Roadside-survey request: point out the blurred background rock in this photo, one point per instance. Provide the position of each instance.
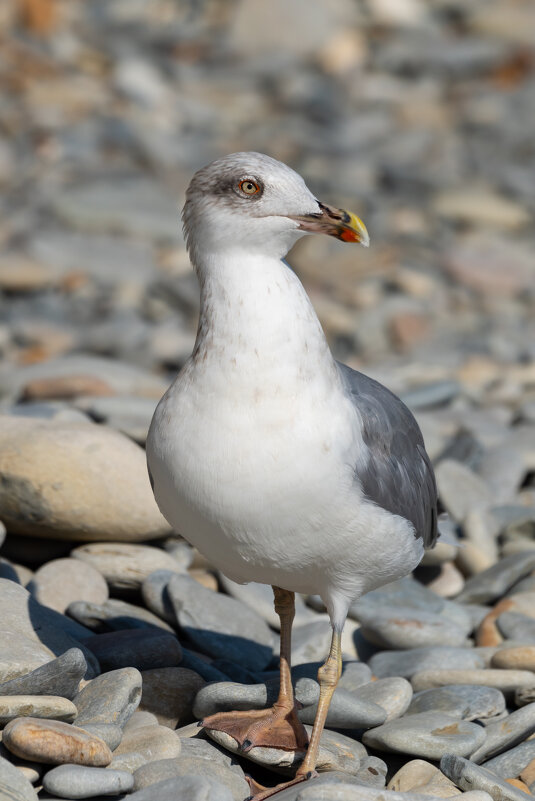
(417, 115)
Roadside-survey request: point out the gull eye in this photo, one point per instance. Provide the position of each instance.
(249, 187)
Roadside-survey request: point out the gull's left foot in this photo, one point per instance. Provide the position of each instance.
(276, 727)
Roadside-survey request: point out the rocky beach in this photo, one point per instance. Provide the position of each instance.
(116, 636)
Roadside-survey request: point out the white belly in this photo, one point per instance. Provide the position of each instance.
(266, 494)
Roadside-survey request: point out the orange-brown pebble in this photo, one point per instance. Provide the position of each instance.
(521, 657)
(519, 785)
(54, 743)
(487, 633)
(528, 774)
(65, 387)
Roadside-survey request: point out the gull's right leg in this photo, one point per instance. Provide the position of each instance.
(279, 726)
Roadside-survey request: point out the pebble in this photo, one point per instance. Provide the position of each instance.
(227, 696)
(232, 778)
(392, 694)
(152, 742)
(505, 680)
(525, 695)
(184, 788)
(426, 734)
(336, 752)
(513, 761)
(347, 711)
(108, 732)
(156, 596)
(124, 566)
(260, 598)
(21, 655)
(14, 786)
(115, 615)
(219, 625)
(140, 648)
(61, 581)
(415, 660)
(54, 742)
(515, 626)
(59, 676)
(463, 701)
(410, 628)
(45, 466)
(36, 706)
(45, 633)
(493, 583)
(373, 772)
(78, 781)
(469, 776)
(506, 733)
(169, 694)
(417, 774)
(461, 490)
(111, 697)
(310, 642)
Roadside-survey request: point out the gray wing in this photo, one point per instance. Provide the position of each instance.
(399, 476)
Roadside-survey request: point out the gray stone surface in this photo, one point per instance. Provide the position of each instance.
(232, 778)
(111, 697)
(37, 706)
(77, 781)
(115, 615)
(426, 734)
(151, 742)
(415, 660)
(140, 648)
(406, 628)
(169, 694)
(14, 786)
(461, 490)
(310, 642)
(125, 565)
(508, 681)
(219, 625)
(506, 733)
(465, 702)
(494, 582)
(516, 626)
(512, 762)
(156, 596)
(60, 676)
(110, 733)
(184, 788)
(469, 776)
(260, 598)
(347, 711)
(392, 694)
(51, 633)
(373, 772)
(59, 582)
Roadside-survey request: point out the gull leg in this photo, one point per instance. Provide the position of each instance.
(279, 726)
(328, 676)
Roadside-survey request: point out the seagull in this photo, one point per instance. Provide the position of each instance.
(278, 463)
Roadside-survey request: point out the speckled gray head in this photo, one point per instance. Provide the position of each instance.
(251, 200)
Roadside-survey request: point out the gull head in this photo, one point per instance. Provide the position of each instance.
(251, 201)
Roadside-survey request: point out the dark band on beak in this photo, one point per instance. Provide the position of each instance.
(335, 222)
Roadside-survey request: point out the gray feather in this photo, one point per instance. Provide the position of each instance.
(399, 476)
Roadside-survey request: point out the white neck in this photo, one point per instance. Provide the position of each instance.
(256, 317)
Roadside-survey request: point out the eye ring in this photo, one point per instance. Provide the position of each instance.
(249, 187)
